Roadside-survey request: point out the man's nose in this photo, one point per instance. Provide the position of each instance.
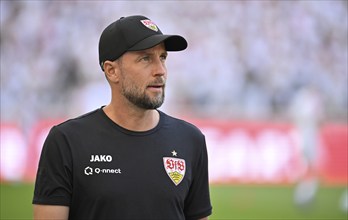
(159, 68)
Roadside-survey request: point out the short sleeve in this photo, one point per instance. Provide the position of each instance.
(197, 203)
(53, 185)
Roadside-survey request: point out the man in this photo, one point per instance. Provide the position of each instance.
(126, 160)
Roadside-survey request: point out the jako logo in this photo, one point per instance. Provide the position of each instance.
(101, 158)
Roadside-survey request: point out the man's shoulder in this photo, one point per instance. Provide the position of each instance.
(181, 124)
(86, 119)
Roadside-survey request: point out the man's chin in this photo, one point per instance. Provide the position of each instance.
(150, 104)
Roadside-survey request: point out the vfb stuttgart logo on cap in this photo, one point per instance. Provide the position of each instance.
(175, 168)
(150, 24)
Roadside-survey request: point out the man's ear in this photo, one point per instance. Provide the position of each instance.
(111, 70)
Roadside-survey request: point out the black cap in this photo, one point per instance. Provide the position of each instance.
(134, 33)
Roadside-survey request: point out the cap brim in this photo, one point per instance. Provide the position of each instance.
(171, 42)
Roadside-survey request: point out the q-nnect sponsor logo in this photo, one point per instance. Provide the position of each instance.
(92, 171)
(96, 170)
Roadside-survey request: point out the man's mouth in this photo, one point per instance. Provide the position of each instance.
(156, 87)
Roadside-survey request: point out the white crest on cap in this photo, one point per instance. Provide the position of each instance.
(150, 24)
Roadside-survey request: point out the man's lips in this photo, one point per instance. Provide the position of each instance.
(156, 87)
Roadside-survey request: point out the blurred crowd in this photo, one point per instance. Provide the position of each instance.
(246, 59)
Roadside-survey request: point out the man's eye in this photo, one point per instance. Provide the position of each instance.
(145, 58)
(163, 57)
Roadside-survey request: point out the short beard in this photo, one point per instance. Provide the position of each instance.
(142, 100)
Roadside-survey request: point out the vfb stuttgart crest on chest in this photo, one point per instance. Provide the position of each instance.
(175, 168)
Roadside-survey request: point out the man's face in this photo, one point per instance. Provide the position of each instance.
(143, 77)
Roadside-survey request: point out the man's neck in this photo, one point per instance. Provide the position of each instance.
(134, 119)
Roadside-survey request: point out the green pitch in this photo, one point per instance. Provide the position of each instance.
(229, 202)
(274, 202)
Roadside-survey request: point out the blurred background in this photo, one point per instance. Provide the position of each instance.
(266, 82)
